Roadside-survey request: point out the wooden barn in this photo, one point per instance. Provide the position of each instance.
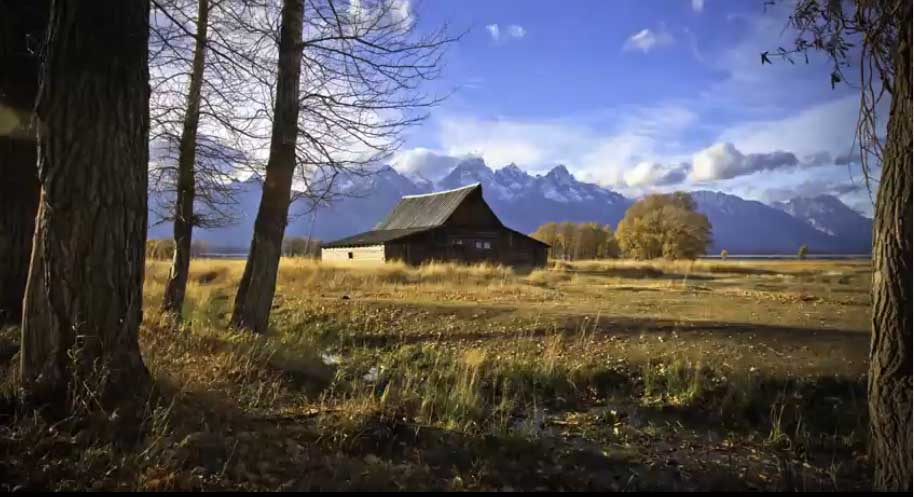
(453, 225)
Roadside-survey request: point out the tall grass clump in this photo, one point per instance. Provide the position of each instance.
(328, 275)
(469, 390)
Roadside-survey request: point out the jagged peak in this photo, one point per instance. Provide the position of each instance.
(560, 171)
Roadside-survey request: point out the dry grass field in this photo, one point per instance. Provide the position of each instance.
(592, 375)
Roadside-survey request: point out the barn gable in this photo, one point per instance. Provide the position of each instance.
(431, 210)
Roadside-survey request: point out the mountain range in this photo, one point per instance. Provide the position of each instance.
(524, 202)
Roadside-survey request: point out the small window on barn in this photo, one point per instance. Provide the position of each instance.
(478, 244)
(486, 245)
(350, 255)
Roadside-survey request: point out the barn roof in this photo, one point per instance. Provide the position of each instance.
(373, 237)
(429, 210)
(415, 214)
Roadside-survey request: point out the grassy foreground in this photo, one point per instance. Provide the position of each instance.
(593, 375)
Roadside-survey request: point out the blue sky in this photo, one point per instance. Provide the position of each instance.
(638, 96)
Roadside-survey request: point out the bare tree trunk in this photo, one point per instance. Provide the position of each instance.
(83, 303)
(21, 26)
(187, 157)
(258, 284)
(890, 384)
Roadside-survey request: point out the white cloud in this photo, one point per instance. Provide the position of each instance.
(724, 161)
(494, 31)
(429, 164)
(646, 40)
(510, 31)
(599, 147)
(516, 31)
(395, 12)
(698, 5)
(650, 174)
(829, 126)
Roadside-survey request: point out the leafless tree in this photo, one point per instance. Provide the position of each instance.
(362, 66)
(197, 103)
(871, 40)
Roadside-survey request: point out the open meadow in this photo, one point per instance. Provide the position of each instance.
(588, 375)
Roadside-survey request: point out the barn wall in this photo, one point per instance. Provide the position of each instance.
(515, 249)
(355, 255)
(459, 244)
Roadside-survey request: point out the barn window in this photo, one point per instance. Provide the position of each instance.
(350, 255)
(483, 245)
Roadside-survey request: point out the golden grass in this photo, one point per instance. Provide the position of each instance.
(475, 352)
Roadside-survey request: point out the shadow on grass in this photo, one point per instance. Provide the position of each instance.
(618, 326)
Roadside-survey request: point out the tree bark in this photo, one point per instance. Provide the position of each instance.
(22, 25)
(83, 303)
(258, 284)
(187, 157)
(890, 385)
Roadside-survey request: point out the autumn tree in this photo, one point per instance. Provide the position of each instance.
(664, 225)
(803, 251)
(83, 302)
(869, 44)
(575, 241)
(22, 26)
(365, 64)
(547, 233)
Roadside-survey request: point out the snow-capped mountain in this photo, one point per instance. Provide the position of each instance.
(524, 202)
(749, 227)
(830, 216)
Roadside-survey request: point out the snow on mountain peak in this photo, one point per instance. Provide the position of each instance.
(560, 174)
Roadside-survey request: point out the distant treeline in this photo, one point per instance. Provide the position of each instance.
(659, 225)
(164, 249)
(296, 246)
(573, 241)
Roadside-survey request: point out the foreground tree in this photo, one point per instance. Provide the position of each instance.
(22, 26)
(360, 89)
(664, 225)
(202, 78)
(176, 286)
(890, 353)
(83, 302)
(876, 36)
(255, 293)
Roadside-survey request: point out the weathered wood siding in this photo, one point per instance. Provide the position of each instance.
(463, 244)
(355, 255)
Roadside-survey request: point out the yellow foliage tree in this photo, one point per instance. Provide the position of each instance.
(574, 241)
(664, 225)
